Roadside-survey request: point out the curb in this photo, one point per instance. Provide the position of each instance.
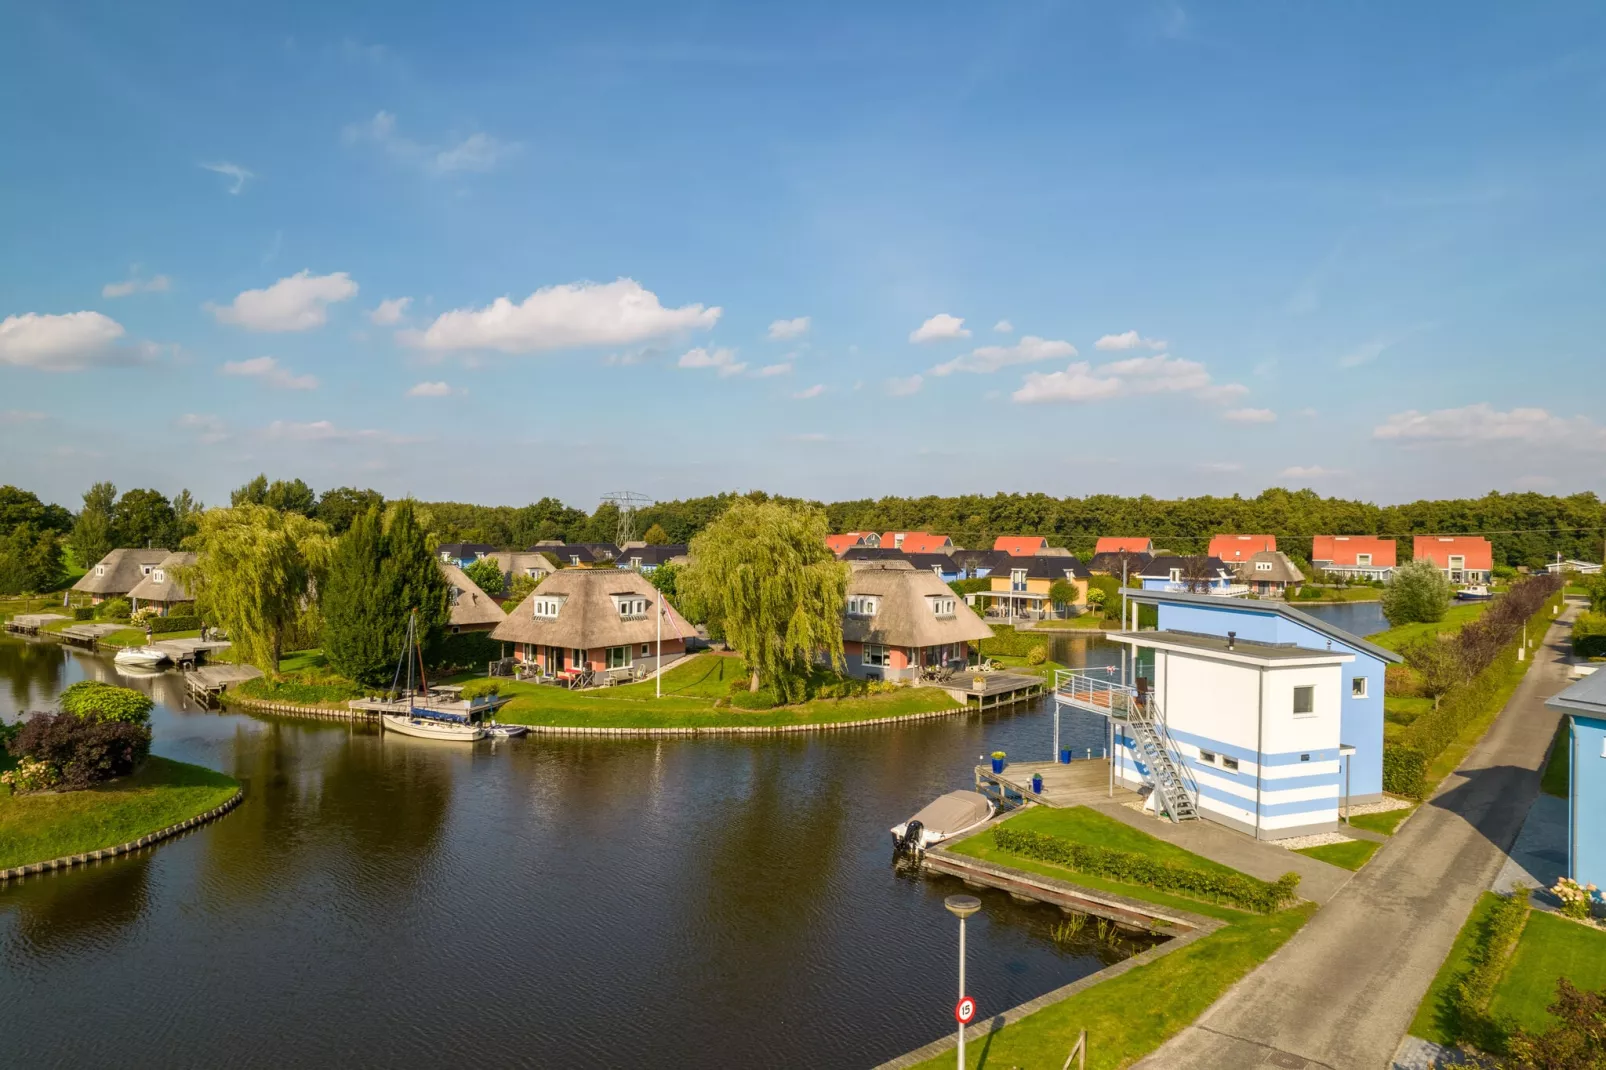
(68, 861)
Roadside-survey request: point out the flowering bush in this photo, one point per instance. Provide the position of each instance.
(30, 775)
(144, 615)
(84, 751)
(1577, 900)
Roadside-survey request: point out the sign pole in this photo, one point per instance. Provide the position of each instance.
(961, 990)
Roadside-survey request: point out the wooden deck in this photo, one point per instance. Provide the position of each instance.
(207, 681)
(30, 623)
(88, 634)
(1081, 783)
(999, 688)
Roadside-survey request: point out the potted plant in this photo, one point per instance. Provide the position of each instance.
(998, 761)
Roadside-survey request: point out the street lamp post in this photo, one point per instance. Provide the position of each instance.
(962, 907)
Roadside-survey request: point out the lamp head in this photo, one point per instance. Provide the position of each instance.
(962, 906)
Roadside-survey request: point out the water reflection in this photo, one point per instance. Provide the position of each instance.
(82, 912)
(32, 672)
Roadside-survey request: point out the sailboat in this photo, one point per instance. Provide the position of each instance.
(421, 722)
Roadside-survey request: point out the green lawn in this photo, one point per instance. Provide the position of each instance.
(1351, 855)
(37, 828)
(1458, 614)
(1385, 822)
(1434, 1019)
(1021, 665)
(1085, 621)
(1550, 948)
(1129, 1016)
(1556, 775)
(1340, 594)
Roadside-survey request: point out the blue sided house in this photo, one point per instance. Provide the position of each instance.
(1270, 623)
(1584, 703)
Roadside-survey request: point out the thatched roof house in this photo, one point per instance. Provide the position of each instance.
(899, 618)
(532, 563)
(594, 618)
(114, 575)
(472, 609)
(160, 587)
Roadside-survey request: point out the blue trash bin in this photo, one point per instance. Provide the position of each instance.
(998, 765)
(1037, 783)
(1065, 756)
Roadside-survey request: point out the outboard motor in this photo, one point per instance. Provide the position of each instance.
(910, 844)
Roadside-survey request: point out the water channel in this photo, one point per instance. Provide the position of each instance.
(383, 900)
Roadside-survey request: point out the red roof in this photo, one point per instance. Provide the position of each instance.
(1114, 544)
(842, 543)
(1232, 548)
(1020, 545)
(1439, 549)
(1342, 550)
(917, 542)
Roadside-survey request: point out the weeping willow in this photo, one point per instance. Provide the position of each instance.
(763, 569)
(256, 575)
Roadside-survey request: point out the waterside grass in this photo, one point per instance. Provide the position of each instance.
(1459, 614)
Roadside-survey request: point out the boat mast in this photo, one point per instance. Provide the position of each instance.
(412, 631)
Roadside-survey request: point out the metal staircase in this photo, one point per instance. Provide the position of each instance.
(1171, 782)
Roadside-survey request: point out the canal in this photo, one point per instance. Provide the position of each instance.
(383, 900)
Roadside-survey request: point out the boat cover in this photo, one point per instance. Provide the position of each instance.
(439, 715)
(954, 811)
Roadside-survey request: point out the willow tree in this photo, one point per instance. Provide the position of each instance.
(257, 574)
(764, 572)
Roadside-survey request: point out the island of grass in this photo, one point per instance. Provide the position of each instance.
(46, 825)
(1135, 1012)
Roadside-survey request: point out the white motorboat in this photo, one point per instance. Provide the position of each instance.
(952, 815)
(1477, 592)
(505, 731)
(419, 723)
(141, 656)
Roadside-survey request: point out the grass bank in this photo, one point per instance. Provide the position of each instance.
(37, 828)
(1458, 615)
(1331, 595)
(1086, 622)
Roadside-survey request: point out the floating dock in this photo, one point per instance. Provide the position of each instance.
(1081, 782)
(89, 634)
(208, 681)
(30, 623)
(998, 688)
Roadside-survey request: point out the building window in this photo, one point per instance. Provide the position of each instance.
(618, 657)
(1176, 575)
(874, 654)
(547, 607)
(1363, 560)
(943, 607)
(1229, 764)
(860, 606)
(1207, 757)
(100, 570)
(1357, 687)
(646, 648)
(1262, 566)
(1304, 699)
(159, 576)
(574, 559)
(635, 563)
(579, 658)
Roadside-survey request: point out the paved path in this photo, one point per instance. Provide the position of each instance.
(1342, 992)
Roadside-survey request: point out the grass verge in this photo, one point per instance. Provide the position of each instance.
(1351, 855)
(37, 828)
(1129, 1016)
(1385, 822)
(1556, 778)
(1550, 948)
(1436, 1018)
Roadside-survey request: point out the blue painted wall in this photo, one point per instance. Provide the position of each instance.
(1588, 817)
(1360, 719)
(1157, 583)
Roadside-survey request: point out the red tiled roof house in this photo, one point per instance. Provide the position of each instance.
(1116, 544)
(917, 542)
(1020, 545)
(1365, 556)
(841, 544)
(1462, 558)
(1235, 549)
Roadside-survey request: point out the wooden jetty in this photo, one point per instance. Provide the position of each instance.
(998, 688)
(88, 634)
(30, 623)
(208, 681)
(1080, 783)
(187, 653)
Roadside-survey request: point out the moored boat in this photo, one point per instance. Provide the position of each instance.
(1477, 592)
(953, 814)
(505, 731)
(424, 725)
(146, 656)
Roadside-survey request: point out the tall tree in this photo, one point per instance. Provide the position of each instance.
(764, 571)
(142, 518)
(1418, 592)
(30, 561)
(486, 574)
(656, 536)
(92, 534)
(186, 518)
(257, 574)
(292, 496)
(411, 570)
(361, 636)
(339, 507)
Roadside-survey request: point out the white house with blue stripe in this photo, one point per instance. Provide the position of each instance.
(1584, 703)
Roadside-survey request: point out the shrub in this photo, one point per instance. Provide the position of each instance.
(113, 609)
(1577, 1040)
(164, 625)
(83, 613)
(1007, 642)
(1108, 588)
(1063, 593)
(91, 700)
(1037, 655)
(974, 585)
(1577, 900)
(1237, 889)
(1469, 999)
(466, 650)
(762, 699)
(1589, 635)
(144, 615)
(30, 775)
(85, 751)
(1405, 770)
(480, 688)
(1419, 593)
(1400, 681)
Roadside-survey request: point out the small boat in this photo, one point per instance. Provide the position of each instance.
(952, 815)
(426, 725)
(1477, 592)
(140, 655)
(504, 731)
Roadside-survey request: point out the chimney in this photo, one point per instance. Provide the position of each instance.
(1232, 637)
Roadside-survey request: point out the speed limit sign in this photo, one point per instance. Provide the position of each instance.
(964, 1010)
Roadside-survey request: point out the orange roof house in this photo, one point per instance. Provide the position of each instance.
(1115, 544)
(917, 542)
(1352, 551)
(1020, 545)
(841, 544)
(1461, 557)
(1234, 548)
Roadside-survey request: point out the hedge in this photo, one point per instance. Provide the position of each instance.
(1589, 635)
(163, 625)
(467, 650)
(1235, 889)
(1469, 999)
(83, 613)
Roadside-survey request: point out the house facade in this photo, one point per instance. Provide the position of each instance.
(1462, 558)
(899, 619)
(1234, 549)
(160, 587)
(598, 619)
(1361, 692)
(1365, 556)
(1199, 575)
(1270, 574)
(1020, 588)
(647, 559)
(1119, 544)
(537, 566)
(1020, 545)
(916, 542)
(118, 573)
(1584, 705)
(472, 609)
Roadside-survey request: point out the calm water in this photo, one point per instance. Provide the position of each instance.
(1357, 618)
(380, 900)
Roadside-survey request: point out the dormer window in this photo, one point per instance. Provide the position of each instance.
(446, 555)
(159, 576)
(1176, 575)
(1262, 566)
(1363, 559)
(144, 570)
(574, 559)
(635, 563)
(943, 607)
(547, 608)
(100, 570)
(631, 608)
(861, 606)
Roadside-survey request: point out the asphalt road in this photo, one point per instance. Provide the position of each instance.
(1341, 994)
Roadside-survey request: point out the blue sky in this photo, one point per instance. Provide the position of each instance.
(495, 252)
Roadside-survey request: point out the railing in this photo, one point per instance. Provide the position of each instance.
(1079, 1053)
(1223, 590)
(1093, 689)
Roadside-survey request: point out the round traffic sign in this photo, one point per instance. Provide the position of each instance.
(964, 1010)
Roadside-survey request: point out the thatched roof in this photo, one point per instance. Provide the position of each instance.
(119, 571)
(1282, 569)
(523, 563)
(161, 585)
(589, 613)
(904, 613)
(471, 607)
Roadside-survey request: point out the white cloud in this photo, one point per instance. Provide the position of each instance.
(621, 312)
(270, 371)
(231, 170)
(1004, 327)
(298, 302)
(792, 328)
(136, 285)
(1314, 471)
(62, 343)
(1028, 350)
(1219, 466)
(324, 431)
(812, 392)
(209, 429)
(938, 327)
(1127, 340)
(723, 361)
(1250, 416)
(390, 311)
(432, 390)
(902, 388)
(770, 370)
(14, 417)
(1482, 423)
(1160, 374)
(1365, 354)
(476, 152)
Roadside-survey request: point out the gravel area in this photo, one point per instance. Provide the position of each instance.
(1320, 839)
(1382, 806)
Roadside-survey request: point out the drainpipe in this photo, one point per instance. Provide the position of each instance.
(1260, 752)
(1572, 809)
